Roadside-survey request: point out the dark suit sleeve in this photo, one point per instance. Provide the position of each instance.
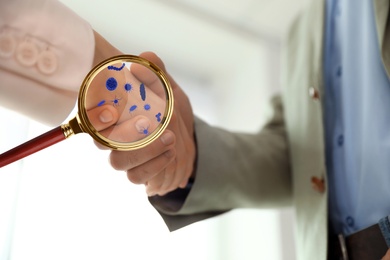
(233, 170)
(172, 202)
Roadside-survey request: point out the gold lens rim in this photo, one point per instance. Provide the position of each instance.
(85, 123)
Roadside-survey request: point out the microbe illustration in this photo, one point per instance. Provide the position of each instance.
(116, 68)
(144, 131)
(158, 116)
(147, 107)
(142, 91)
(128, 87)
(101, 103)
(111, 84)
(115, 101)
(132, 108)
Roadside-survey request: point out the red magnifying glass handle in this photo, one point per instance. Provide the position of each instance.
(34, 145)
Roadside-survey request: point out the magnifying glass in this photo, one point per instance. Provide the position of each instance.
(124, 103)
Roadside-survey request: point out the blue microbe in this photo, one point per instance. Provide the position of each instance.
(132, 108)
(128, 87)
(115, 101)
(145, 131)
(142, 91)
(111, 84)
(147, 107)
(101, 103)
(158, 116)
(116, 68)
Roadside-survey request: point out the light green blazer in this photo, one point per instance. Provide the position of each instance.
(275, 167)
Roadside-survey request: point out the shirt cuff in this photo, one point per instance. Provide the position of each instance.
(172, 202)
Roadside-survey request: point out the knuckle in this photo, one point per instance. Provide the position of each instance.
(169, 155)
(132, 159)
(140, 175)
(115, 163)
(120, 160)
(135, 178)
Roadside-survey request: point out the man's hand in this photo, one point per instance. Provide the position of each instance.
(167, 163)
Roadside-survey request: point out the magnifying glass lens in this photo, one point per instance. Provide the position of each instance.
(125, 103)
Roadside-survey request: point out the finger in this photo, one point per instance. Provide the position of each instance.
(101, 146)
(128, 160)
(181, 99)
(174, 176)
(177, 173)
(146, 172)
(131, 130)
(161, 185)
(149, 77)
(146, 74)
(102, 117)
(184, 183)
(152, 57)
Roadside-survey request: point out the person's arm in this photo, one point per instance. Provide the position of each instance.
(234, 170)
(103, 49)
(46, 50)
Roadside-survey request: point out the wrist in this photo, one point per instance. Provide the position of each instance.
(103, 49)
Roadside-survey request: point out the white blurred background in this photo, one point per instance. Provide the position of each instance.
(67, 203)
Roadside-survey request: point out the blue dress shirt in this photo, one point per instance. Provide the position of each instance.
(357, 117)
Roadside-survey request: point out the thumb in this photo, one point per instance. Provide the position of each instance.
(131, 130)
(102, 117)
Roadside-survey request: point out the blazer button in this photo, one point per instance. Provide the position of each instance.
(318, 184)
(27, 54)
(47, 62)
(7, 45)
(314, 93)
